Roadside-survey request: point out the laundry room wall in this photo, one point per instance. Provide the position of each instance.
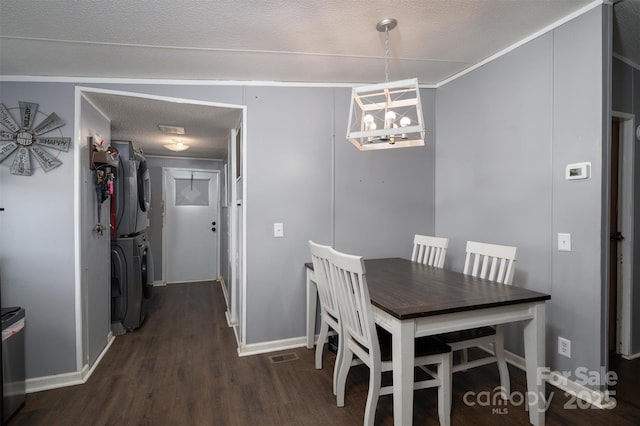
(155, 165)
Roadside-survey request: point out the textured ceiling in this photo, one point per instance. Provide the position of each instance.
(308, 41)
(137, 119)
(264, 40)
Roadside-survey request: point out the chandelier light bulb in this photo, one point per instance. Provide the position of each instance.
(368, 122)
(389, 118)
(405, 122)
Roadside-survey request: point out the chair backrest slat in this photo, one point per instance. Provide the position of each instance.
(322, 270)
(490, 261)
(429, 250)
(354, 300)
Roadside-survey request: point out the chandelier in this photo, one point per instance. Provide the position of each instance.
(386, 115)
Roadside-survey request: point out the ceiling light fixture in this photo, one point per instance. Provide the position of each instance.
(386, 115)
(176, 146)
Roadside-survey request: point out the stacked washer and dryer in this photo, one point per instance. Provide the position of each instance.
(131, 259)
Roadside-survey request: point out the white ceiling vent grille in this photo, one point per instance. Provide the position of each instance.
(171, 130)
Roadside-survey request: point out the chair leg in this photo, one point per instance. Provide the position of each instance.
(345, 364)
(444, 390)
(498, 350)
(338, 364)
(464, 357)
(375, 381)
(322, 338)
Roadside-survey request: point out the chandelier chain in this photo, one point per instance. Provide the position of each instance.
(386, 55)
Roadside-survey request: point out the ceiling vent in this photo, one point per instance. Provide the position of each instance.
(171, 130)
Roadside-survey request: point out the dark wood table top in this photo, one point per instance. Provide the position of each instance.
(406, 290)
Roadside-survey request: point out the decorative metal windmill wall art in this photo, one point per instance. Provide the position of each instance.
(27, 141)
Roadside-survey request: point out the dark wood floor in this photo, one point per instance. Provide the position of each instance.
(181, 368)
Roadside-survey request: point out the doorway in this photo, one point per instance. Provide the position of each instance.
(615, 237)
(127, 107)
(191, 223)
(621, 224)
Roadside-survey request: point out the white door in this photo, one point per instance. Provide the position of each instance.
(190, 230)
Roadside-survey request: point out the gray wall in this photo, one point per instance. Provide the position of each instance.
(493, 163)
(323, 189)
(626, 98)
(505, 133)
(155, 165)
(579, 122)
(288, 179)
(384, 197)
(96, 247)
(37, 239)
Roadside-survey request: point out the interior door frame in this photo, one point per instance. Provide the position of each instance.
(165, 171)
(625, 218)
(80, 308)
(237, 160)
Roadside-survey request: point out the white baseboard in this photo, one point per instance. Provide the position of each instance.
(596, 398)
(163, 283)
(272, 346)
(225, 292)
(38, 384)
(630, 357)
(56, 381)
(227, 315)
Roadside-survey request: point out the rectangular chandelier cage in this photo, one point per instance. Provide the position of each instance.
(386, 115)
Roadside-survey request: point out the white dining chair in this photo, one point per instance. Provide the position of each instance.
(363, 339)
(495, 263)
(329, 314)
(429, 250)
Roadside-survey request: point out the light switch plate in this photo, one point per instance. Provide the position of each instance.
(278, 230)
(564, 242)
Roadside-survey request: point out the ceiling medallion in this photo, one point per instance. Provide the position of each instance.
(26, 140)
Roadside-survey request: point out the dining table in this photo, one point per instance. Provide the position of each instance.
(413, 300)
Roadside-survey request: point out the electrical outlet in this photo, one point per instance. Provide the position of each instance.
(564, 242)
(564, 347)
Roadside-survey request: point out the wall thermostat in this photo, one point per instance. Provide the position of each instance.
(578, 171)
